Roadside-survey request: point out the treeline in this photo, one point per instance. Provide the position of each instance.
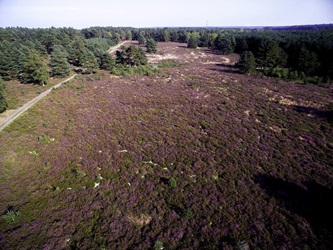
(291, 53)
(33, 55)
(288, 54)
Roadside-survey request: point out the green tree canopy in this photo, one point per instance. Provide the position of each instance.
(132, 56)
(107, 62)
(247, 63)
(35, 69)
(3, 103)
(166, 35)
(192, 41)
(307, 61)
(271, 55)
(151, 45)
(59, 63)
(88, 62)
(141, 38)
(224, 44)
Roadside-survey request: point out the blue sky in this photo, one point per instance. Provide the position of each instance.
(166, 13)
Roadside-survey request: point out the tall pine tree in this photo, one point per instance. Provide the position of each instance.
(89, 62)
(59, 64)
(247, 63)
(35, 69)
(151, 46)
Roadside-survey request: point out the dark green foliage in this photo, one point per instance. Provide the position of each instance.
(203, 40)
(3, 103)
(151, 45)
(59, 63)
(271, 55)
(224, 44)
(129, 35)
(77, 49)
(35, 69)
(126, 70)
(141, 38)
(307, 61)
(132, 56)
(88, 62)
(247, 63)
(192, 42)
(107, 62)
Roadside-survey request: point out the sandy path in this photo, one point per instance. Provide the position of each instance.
(13, 114)
(114, 48)
(10, 115)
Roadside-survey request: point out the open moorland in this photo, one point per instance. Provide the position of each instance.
(194, 157)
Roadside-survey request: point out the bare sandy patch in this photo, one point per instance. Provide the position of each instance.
(155, 57)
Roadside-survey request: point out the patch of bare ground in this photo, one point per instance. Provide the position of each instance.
(196, 156)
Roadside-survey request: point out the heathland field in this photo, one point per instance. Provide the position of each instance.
(196, 156)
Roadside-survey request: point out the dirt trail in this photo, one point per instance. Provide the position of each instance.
(13, 114)
(17, 112)
(114, 48)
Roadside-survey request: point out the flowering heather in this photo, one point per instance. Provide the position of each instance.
(194, 157)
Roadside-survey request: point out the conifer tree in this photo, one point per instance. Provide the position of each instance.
(132, 56)
(35, 69)
(107, 62)
(247, 63)
(88, 62)
(192, 42)
(307, 61)
(59, 63)
(151, 46)
(141, 38)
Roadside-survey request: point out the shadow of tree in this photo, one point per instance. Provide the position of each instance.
(312, 201)
(226, 68)
(326, 113)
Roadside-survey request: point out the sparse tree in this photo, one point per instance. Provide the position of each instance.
(151, 45)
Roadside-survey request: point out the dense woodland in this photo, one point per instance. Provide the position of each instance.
(33, 55)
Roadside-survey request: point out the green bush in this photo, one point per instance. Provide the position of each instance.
(11, 217)
(172, 182)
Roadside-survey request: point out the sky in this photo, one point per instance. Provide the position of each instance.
(167, 13)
